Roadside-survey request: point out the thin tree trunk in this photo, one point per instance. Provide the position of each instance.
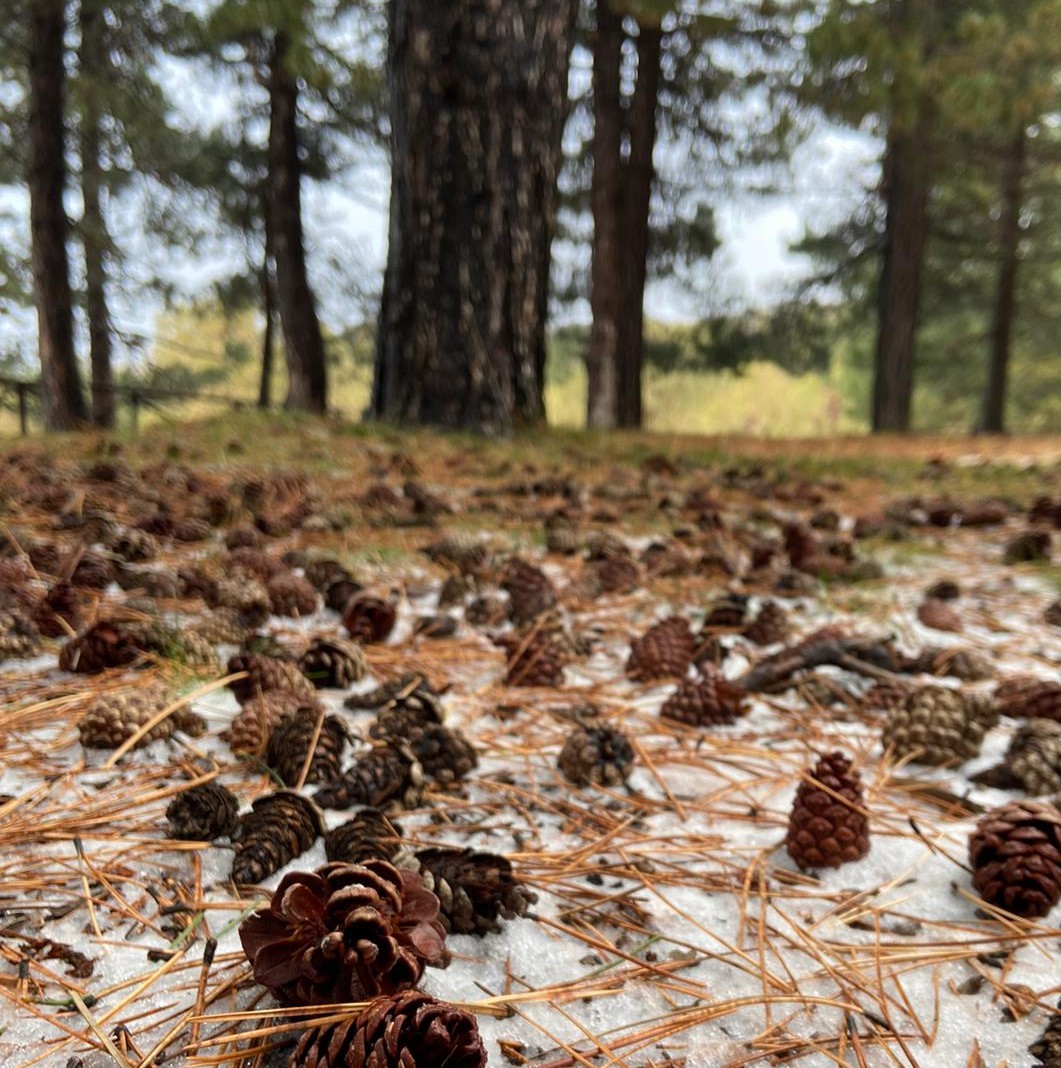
(307, 380)
(94, 235)
(993, 412)
(268, 290)
(606, 200)
(639, 177)
(475, 157)
(62, 401)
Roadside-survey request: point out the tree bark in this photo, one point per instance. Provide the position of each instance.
(62, 402)
(95, 238)
(993, 411)
(307, 388)
(268, 290)
(606, 201)
(478, 104)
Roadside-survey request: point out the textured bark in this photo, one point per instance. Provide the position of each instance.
(62, 402)
(268, 288)
(606, 200)
(993, 410)
(307, 380)
(479, 99)
(95, 238)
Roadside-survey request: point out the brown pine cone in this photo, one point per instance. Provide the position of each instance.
(1029, 698)
(62, 604)
(1052, 614)
(887, 694)
(388, 775)
(665, 650)
(110, 643)
(466, 554)
(730, 611)
(346, 932)
(617, 573)
(826, 830)
(769, 627)
(563, 540)
(1015, 853)
(93, 572)
(246, 596)
(131, 545)
(223, 626)
(938, 615)
(411, 1030)
(445, 754)
(340, 592)
(369, 619)
(19, 637)
(486, 611)
(598, 755)
(410, 699)
(1046, 1049)
(473, 889)
(289, 746)
(333, 663)
(113, 717)
(1030, 547)
(254, 562)
(279, 827)
(290, 595)
(535, 661)
(190, 529)
(454, 591)
(249, 733)
(1034, 757)
(203, 813)
(370, 835)
(265, 673)
(939, 727)
(969, 665)
(530, 593)
(706, 701)
(323, 571)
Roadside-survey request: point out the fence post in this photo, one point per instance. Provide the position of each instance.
(23, 412)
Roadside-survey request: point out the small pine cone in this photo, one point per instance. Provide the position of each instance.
(113, 717)
(19, 637)
(279, 827)
(62, 604)
(339, 593)
(770, 626)
(445, 754)
(107, 644)
(1052, 614)
(399, 719)
(598, 755)
(193, 650)
(706, 701)
(265, 673)
(1029, 698)
(453, 591)
(346, 932)
(189, 722)
(1031, 547)
(370, 835)
(823, 830)
(203, 813)
(1015, 853)
(1034, 757)
(886, 695)
(389, 775)
(289, 746)
(254, 562)
(538, 661)
(618, 573)
(249, 733)
(290, 595)
(487, 611)
(131, 545)
(729, 612)
(969, 665)
(93, 572)
(466, 554)
(564, 541)
(369, 619)
(323, 571)
(410, 694)
(412, 1030)
(161, 584)
(1046, 1049)
(938, 727)
(474, 889)
(938, 615)
(333, 663)
(665, 649)
(248, 597)
(190, 529)
(223, 626)
(530, 593)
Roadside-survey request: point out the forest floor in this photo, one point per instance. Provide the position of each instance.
(671, 926)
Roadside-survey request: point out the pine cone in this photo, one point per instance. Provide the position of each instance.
(473, 889)
(769, 627)
(340, 592)
(1034, 757)
(223, 626)
(617, 573)
(279, 827)
(938, 727)
(938, 615)
(1031, 547)
(530, 593)
(466, 554)
(62, 604)
(1052, 616)
(370, 835)
(265, 673)
(969, 665)
(203, 813)
(887, 695)
(412, 1030)
(487, 611)
(388, 775)
(1015, 853)
(411, 697)
(823, 830)
(290, 595)
(369, 619)
(19, 638)
(247, 597)
(333, 663)
(1029, 698)
(113, 717)
(346, 932)
(107, 644)
(598, 755)
(321, 572)
(249, 733)
(665, 649)
(190, 529)
(445, 754)
(93, 572)
(706, 701)
(1047, 1048)
(731, 612)
(538, 661)
(131, 545)
(290, 741)
(254, 562)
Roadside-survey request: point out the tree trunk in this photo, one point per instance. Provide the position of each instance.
(606, 200)
(268, 290)
(993, 412)
(94, 235)
(639, 174)
(307, 380)
(479, 98)
(62, 402)
(906, 186)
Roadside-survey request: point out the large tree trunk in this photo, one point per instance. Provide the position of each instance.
(94, 235)
(478, 102)
(993, 412)
(307, 380)
(267, 282)
(606, 200)
(61, 399)
(906, 186)
(639, 174)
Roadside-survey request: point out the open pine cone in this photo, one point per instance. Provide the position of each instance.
(389, 775)
(346, 932)
(249, 733)
(279, 827)
(729, 612)
(369, 619)
(19, 638)
(107, 644)
(535, 661)
(1046, 1049)
(370, 835)
(706, 701)
(291, 595)
(938, 726)
(1029, 698)
(334, 663)
(598, 755)
(826, 828)
(770, 626)
(113, 717)
(1032, 763)
(203, 813)
(665, 649)
(289, 745)
(265, 673)
(530, 593)
(445, 754)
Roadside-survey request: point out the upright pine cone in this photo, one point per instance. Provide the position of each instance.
(289, 745)
(665, 649)
(474, 889)
(279, 827)
(249, 733)
(333, 663)
(939, 727)
(370, 835)
(369, 619)
(388, 775)
(346, 932)
(826, 830)
(530, 593)
(1029, 698)
(291, 595)
(19, 637)
(113, 717)
(411, 1030)
(1015, 853)
(265, 673)
(706, 701)
(537, 661)
(598, 755)
(770, 625)
(1046, 1049)
(203, 813)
